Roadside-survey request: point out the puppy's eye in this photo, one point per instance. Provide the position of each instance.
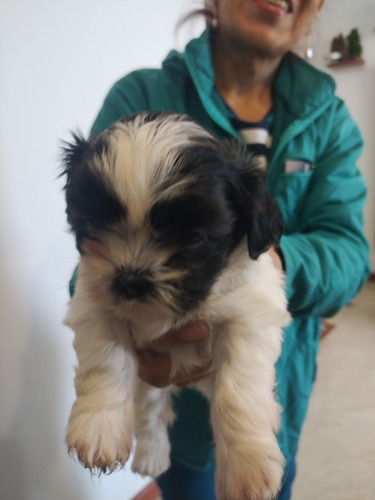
(196, 238)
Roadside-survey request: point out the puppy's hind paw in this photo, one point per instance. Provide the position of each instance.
(260, 481)
(151, 456)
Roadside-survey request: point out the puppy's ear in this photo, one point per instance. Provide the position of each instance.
(73, 154)
(261, 216)
(91, 202)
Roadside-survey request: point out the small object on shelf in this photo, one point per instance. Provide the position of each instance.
(354, 44)
(338, 48)
(346, 51)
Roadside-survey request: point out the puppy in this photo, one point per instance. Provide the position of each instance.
(172, 226)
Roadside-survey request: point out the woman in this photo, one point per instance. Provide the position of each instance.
(237, 77)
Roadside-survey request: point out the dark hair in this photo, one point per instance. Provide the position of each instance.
(206, 11)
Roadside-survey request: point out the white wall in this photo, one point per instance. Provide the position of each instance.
(57, 60)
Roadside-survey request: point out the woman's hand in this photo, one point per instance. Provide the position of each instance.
(155, 365)
(276, 258)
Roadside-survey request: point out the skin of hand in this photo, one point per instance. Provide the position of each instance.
(154, 365)
(276, 259)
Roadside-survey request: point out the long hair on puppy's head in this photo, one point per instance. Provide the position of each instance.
(157, 205)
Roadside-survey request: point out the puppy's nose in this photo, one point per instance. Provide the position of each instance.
(132, 284)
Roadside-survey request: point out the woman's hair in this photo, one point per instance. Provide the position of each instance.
(206, 11)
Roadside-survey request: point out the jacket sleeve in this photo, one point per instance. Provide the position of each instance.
(327, 258)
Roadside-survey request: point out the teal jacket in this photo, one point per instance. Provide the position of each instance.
(324, 247)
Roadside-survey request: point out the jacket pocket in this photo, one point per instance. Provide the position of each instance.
(290, 193)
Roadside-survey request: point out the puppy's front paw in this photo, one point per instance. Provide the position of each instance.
(101, 439)
(258, 480)
(151, 456)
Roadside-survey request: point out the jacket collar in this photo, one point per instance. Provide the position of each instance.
(299, 87)
(198, 58)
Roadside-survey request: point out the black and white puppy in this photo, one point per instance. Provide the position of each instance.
(165, 217)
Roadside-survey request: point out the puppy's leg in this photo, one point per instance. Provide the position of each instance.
(245, 415)
(153, 414)
(100, 427)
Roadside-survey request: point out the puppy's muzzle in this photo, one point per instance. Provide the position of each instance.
(130, 284)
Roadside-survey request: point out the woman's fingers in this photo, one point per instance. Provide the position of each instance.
(186, 379)
(195, 331)
(154, 368)
(154, 362)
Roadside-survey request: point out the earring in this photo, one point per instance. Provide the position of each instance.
(309, 53)
(214, 20)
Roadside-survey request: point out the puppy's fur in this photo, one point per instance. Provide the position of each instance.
(165, 218)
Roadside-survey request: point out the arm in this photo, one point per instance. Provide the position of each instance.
(326, 258)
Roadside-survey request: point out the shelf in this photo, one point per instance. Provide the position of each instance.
(347, 63)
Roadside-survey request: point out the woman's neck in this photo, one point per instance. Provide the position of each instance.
(244, 80)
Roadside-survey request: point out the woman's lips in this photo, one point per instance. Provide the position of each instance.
(276, 7)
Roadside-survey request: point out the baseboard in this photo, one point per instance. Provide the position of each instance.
(150, 492)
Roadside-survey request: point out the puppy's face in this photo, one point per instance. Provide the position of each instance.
(157, 205)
